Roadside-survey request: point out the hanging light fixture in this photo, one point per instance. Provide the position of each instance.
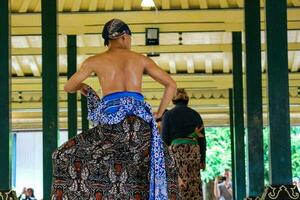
(147, 3)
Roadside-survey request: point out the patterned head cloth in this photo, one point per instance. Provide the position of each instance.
(181, 96)
(114, 29)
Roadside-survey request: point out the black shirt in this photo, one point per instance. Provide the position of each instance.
(181, 121)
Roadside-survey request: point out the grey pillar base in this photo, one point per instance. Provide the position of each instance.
(281, 192)
(252, 198)
(8, 194)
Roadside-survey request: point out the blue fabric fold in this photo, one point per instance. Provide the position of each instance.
(112, 109)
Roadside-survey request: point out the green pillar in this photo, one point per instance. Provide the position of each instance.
(239, 130)
(50, 90)
(84, 121)
(255, 173)
(5, 88)
(231, 117)
(72, 98)
(278, 93)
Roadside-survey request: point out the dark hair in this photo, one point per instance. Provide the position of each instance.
(114, 29)
(32, 191)
(181, 97)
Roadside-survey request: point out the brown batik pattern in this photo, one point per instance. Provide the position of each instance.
(187, 159)
(108, 162)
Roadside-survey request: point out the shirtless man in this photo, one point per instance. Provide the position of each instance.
(120, 69)
(123, 157)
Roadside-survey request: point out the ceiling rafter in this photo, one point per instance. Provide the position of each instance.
(193, 48)
(224, 4)
(184, 4)
(127, 5)
(172, 66)
(296, 2)
(263, 61)
(93, 5)
(296, 62)
(76, 5)
(208, 65)
(61, 5)
(190, 65)
(24, 6)
(17, 66)
(166, 4)
(33, 64)
(38, 6)
(109, 5)
(226, 62)
(240, 3)
(203, 4)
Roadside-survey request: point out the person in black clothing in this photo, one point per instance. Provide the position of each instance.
(183, 131)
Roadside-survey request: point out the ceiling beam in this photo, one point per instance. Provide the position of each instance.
(224, 4)
(184, 4)
(208, 65)
(61, 4)
(17, 67)
(76, 5)
(140, 28)
(144, 17)
(203, 4)
(172, 66)
(190, 65)
(109, 5)
(296, 62)
(240, 3)
(38, 6)
(195, 48)
(24, 6)
(34, 67)
(165, 4)
(296, 2)
(127, 5)
(226, 62)
(203, 81)
(93, 5)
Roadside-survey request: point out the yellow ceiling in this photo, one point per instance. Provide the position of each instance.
(202, 62)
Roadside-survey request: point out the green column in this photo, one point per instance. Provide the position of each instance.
(72, 98)
(231, 117)
(5, 88)
(84, 121)
(239, 130)
(255, 173)
(278, 93)
(50, 90)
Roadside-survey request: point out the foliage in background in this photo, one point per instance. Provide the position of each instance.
(218, 155)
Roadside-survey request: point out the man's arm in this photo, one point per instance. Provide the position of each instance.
(75, 82)
(163, 78)
(216, 188)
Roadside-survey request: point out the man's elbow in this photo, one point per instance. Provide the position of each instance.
(68, 89)
(173, 85)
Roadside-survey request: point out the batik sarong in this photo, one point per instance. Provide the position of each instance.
(187, 159)
(122, 157)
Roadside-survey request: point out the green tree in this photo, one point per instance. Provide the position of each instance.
(218, 155)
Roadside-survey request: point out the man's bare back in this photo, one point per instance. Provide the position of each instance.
(118, 70)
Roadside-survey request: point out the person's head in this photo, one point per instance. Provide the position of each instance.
(30, 192)
(227, 174)
(181, 97)
(116, 32)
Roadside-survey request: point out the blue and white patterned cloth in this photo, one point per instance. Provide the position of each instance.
(112, 109)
